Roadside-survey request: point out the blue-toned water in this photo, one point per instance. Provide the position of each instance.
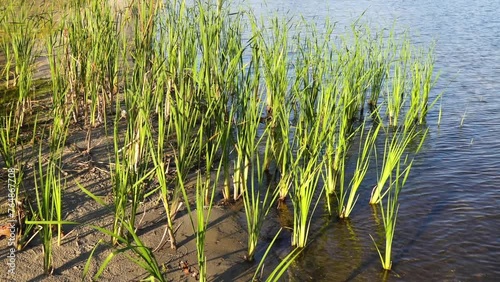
(449, 220)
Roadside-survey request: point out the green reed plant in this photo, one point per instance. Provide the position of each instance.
(5, 46)
(356, 75)
(231, 68)
(177, 33)
(140, 92)
(397, 94)
(337, 145)
(56, 64)
(270, 61)
(247, 119)
(143, 55)
(184, 121)
(185, 88)
(129, 173)
(125, 184)
(202, 223)
(161, 172)
(314, 104)
(9, 135)
(256, 210)
(378, 61)
(204, 187)
(48, 187)
(241, 171)
(335, 142)
(422, 82)
(275, 64)
(389, 211)
(315, 90)
(335, 171)
(177, 42)
(132, 160)
(57, 141)
(280, 269)
(314, 95)
(121, 182)
(362, 164)
(144, 256)
(305, 181)
(330, 175)
(104, 61)
(138, 130)
(225, 148)
(394, 148)
(21, 29)
(428, 82)
(130, 168)
(77, 52)
(249, 163)
(91, 47)
(144, 27)
(306, 170)
(219, 71)
(416, 94)
(183, 102)
(211, 24)
(347, 109)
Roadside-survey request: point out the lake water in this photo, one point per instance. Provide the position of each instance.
(449, 220)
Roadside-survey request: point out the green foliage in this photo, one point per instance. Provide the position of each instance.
(181, 78)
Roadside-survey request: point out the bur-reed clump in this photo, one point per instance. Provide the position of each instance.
(305, 185)
(249, 161)
(144, 256)
(204, 195)
(220, 76)
(389, 209)
(366, 144)
(422, 75)
(20, 46)
(396, 93)
(49, 184)
(378, 62)
(394, 148)
(157, 151)
(270, 63)
(9, 135)
(306, 170)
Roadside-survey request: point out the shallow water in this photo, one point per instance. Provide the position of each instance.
(449, 220)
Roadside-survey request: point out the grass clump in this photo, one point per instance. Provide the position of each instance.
(362, 164)
(389, 210)
(187, 94)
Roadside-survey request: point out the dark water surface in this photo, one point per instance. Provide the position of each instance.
(449, 220)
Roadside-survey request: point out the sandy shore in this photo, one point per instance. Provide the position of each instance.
(226, 236)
